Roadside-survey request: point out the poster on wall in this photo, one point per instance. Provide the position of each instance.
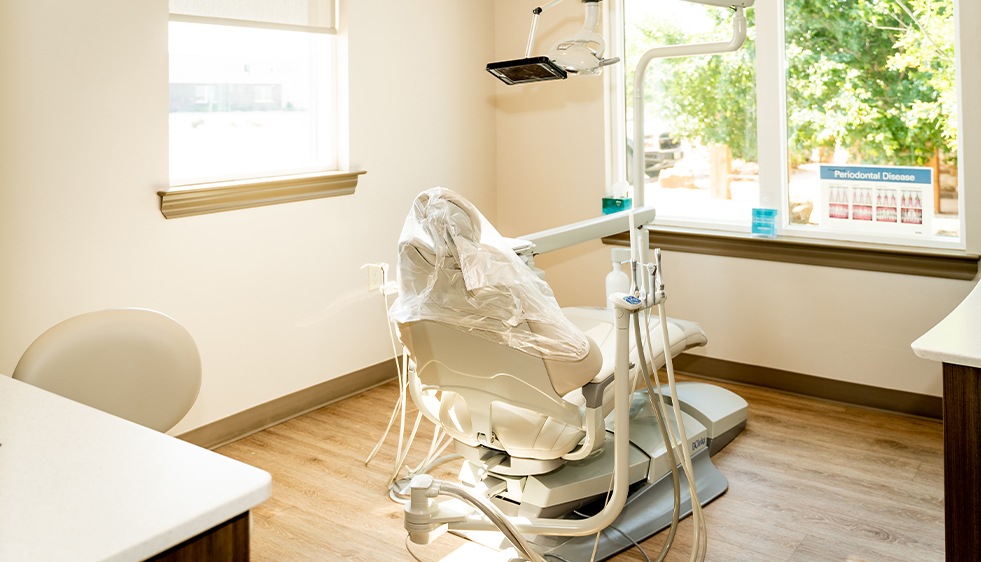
(877, 199)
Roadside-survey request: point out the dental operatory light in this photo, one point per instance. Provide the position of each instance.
(528, 69)
(581, 54)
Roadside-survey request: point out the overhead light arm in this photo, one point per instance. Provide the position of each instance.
(639, 247)
(674, 51)
(535, 14)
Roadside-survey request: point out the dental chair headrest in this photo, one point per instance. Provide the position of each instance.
(455, 268)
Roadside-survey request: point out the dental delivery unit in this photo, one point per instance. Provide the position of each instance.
(562, 458)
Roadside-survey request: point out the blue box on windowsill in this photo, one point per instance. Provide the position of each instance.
(764, 224)
(615, 204)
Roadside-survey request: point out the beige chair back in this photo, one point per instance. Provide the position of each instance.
(137, 364)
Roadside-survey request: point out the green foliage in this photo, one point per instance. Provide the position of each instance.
(875, 77)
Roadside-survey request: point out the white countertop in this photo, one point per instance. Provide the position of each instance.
(79, 484)
(957, 338)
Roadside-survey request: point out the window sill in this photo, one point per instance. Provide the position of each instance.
(948, 264)
(205, 198)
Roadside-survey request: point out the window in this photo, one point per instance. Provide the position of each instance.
(251, 90)
(255, 111)
(841, 115)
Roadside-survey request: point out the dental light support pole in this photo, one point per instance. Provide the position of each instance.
(650, 286)
(639, 240)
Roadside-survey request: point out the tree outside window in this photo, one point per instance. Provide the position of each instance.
(869, 82)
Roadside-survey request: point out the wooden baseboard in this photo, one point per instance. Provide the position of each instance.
(276, 411)
(815, 387)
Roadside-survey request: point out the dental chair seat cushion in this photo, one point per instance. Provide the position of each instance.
(525, 433)
(519, 431)
(567, 376)
(597, 324)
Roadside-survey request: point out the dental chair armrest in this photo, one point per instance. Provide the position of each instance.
(595, 433)
(592, 420)
(593, 391)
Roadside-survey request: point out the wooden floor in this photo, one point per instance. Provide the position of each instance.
(808, 481)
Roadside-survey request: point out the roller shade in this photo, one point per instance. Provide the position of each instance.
(312, 16)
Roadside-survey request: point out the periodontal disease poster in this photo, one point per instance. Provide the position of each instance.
(877, 199)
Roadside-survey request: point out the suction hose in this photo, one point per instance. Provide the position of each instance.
(701, 536)
(494, 515)
(656, 288)
(658, 408)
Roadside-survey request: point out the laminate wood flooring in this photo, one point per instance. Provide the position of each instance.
(809, 481)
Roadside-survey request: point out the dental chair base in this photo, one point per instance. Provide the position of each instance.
(712, 416)
(648, 511)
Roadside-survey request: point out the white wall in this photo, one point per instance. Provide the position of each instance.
(274, 296)
(838, 324)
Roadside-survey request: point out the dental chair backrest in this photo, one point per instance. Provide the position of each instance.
(456, 269)
(496, 361)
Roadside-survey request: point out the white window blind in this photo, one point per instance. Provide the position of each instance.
(311, 16)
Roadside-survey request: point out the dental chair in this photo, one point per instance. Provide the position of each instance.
(526, 388)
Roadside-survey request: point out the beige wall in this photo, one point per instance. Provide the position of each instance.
(839, 324)
(274, 296)
(550, 149)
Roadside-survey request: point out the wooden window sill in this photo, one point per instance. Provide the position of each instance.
(948, 264)
(200, 199)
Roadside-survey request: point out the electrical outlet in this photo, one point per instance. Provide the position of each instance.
(376, 275)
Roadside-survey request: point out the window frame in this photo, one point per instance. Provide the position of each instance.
(772, 132)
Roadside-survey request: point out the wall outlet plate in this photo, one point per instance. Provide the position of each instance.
(376, 275)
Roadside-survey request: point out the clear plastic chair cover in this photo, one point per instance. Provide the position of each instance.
(456, 269)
